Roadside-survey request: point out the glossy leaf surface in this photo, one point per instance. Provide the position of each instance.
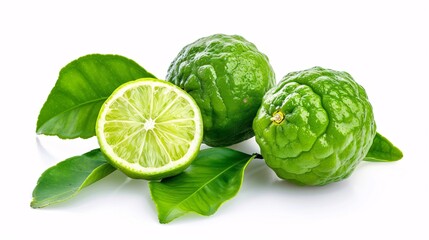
(83, 85)
(67, 178)
(382, 150)
(214, 177)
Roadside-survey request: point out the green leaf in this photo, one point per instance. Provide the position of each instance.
(67, 178)
(382, 150)
(214, 177)
(83, 85)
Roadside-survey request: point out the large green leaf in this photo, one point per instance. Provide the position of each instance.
(382, 150)
(83, 85)
(68, 177)
(214, 176)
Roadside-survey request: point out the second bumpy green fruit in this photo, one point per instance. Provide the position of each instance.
(315, 126)
(228, 77)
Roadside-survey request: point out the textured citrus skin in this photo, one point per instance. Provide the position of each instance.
(327, 129)
(227, 76)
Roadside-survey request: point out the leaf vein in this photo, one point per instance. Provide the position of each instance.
(204, 185)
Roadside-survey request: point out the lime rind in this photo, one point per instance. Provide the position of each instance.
(150, 129)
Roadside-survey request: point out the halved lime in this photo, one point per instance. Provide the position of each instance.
(150, 129)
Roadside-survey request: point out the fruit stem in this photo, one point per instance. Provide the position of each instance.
(278, 117)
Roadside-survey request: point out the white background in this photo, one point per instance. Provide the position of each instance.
(382, 44)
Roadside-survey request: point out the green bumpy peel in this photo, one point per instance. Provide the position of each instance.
(228, 77)
(315, 126)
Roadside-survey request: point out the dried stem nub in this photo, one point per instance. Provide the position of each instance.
(278, 117)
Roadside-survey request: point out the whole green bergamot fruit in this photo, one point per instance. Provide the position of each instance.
(315, 126)
(227, 76)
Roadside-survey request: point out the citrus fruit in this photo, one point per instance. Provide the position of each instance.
(149, 129)
(315, 126)
(227, 76)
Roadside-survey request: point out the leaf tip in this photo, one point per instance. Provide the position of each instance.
(398, 155)
(35, 204)
(163, 221)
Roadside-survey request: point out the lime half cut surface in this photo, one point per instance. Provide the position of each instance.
(150, 129)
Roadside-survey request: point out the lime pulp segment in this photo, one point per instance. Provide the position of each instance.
(149, 127)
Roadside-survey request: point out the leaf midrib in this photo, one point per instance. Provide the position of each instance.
(65, 195)
(207, 183)
(102, 99)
